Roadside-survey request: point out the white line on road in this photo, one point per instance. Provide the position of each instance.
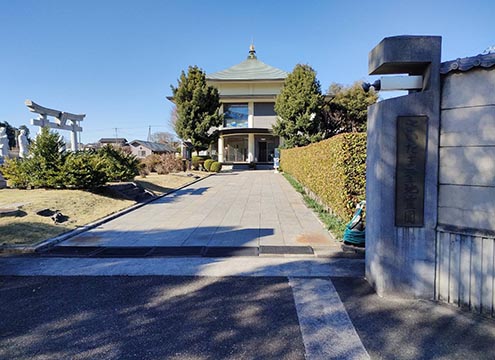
(327, 330)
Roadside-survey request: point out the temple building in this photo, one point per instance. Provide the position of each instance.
(247, 95)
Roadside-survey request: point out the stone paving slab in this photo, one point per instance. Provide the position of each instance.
(248, 208)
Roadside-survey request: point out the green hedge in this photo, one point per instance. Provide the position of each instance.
(216, 166)
(208, 163)
(333, 169)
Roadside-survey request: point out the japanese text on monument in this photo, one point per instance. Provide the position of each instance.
(410, 171)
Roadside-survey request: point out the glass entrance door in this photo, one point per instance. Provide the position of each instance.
(262, 153)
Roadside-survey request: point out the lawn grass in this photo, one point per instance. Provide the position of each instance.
(332, 222)
(81, 207)
(161, 184)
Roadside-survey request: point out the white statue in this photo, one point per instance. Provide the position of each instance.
(23, 144)
(4, 143)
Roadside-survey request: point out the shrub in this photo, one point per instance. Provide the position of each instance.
(48, 167)
(333, 169)
(14, 170)
(119, 166)
(208, 163)
(143, 170)
(43, 167)
(83, 170)
(216, 166)
(151, 161)
(197, 161)
(168, 163)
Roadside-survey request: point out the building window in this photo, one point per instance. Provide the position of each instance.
(264, 109)
(235, 148)
(235, 115)
(142, 153)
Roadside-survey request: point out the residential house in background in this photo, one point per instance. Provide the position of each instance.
(117, 142)
(247, 95)
(141, 148)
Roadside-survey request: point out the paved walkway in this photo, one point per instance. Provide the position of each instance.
(250, 208)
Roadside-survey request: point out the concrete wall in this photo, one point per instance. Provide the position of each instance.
(466, 210)
(467, 150)
(451, 257)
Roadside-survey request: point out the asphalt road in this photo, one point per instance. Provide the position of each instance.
(211, 317)
(157, 317)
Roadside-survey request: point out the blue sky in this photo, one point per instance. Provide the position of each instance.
(115, 60)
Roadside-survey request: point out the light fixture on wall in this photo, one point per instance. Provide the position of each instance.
(393, 83)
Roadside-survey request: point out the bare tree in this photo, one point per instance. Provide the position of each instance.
(164, 137)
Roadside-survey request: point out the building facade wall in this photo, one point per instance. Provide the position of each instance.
(247, 88)
(140, 151)
(257, 96)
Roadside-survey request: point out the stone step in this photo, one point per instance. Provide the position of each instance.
(131, 191)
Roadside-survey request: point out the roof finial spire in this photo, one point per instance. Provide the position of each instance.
(252, 52)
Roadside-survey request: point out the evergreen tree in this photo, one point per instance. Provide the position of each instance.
(347, 110)
(299, 106)
(45, 159)
(198, 107)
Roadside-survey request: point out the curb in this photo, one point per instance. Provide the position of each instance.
(45, 244)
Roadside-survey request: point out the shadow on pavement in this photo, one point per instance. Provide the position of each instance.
(192, 236)
(148, 318)
(412, 329)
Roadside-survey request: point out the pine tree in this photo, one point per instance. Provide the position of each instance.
(198, 107)
(45, 159)
(299, 106)
(347, 111)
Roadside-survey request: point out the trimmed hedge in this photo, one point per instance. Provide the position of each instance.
(333, 169)
(208, 163)
(216, 166)
(197, 161)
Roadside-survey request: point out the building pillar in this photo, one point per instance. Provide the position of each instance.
(250, 114)
(250, 147)
(402, 184)
(220, 148)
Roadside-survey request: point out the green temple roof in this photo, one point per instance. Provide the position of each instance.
(250, 69)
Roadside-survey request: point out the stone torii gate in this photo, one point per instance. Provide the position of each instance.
(63, 120)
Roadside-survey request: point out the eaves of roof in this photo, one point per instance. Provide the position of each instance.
(465, 64)
(251, 69)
